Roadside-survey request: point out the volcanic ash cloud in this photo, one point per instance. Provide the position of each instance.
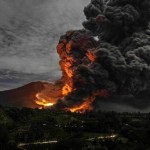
(115, 63)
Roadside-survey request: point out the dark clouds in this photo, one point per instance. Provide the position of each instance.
(29, 31)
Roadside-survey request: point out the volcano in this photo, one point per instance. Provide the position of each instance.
(108, 60)
(24, 96)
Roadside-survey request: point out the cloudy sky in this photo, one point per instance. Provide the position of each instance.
(29, 33)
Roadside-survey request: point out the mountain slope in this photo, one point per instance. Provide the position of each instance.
(23, 96)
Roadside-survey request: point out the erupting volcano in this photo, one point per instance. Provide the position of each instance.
(109, 57)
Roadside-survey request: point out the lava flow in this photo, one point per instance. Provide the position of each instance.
(87, 103)
(43, 102)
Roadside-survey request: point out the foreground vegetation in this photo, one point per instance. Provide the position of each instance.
(34, 129)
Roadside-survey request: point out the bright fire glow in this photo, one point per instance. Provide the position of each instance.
(81, 108)
(42, 101)
(69, 47)
(91, 55)
(66, 66)
(87, 104)
(66, 89)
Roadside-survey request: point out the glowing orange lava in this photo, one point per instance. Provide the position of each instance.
(67, 64)
(42, 102)
(87, 104)
(82, 108)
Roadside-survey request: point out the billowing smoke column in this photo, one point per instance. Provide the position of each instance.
(124, 41)
(84, 77)
(110, 56)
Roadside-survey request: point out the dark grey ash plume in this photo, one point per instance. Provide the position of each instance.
(119, 62)
(116, 19)
(124, 39)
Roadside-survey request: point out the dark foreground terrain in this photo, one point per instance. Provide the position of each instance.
(34, 129)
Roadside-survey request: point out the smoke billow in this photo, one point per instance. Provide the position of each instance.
(117, 63)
